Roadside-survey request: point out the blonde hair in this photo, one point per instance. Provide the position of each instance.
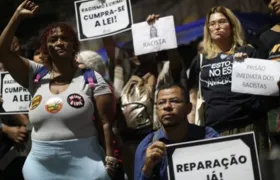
(210, 47)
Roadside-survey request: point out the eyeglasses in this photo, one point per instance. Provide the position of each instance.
(173, 102)
(220, 23)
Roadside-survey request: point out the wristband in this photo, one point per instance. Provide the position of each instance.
(111, 161)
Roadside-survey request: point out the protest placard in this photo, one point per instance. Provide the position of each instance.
(156, 37)
(101, 18)
(255, 76)
(16, 99)
(226, 158)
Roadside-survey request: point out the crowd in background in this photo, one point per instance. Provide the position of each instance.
(139, 103)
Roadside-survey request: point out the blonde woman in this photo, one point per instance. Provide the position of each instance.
(225, 111)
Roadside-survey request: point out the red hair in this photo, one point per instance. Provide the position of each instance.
(67, 29)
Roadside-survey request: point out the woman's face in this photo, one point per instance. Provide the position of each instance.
(219, 27)
(60, 45)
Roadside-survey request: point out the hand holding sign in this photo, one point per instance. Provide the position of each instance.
(154, 154)
(240, 56)
(27, 9)
(154, 37)
(255, 76)
(17, 134)
(151, 19)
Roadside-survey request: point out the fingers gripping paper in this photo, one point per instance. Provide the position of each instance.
(155, 37)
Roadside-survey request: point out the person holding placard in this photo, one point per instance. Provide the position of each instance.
(65, 141)
(225, 111)
(123, 64)
(271, 40)
(173, 106)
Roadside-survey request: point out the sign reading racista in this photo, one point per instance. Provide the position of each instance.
(155, 37)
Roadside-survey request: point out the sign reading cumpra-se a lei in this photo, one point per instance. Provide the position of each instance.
(155, 37)
(101, 18)
(255, 76)
(16, 99)
(226, 158)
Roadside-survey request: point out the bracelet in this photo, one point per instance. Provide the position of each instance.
(111, 161)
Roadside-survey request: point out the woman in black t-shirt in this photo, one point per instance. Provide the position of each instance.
(226, 111)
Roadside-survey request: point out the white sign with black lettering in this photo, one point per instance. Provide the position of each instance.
(100, 18)
(227, 158)
(156, 37)
(16, 99)
(255, 76)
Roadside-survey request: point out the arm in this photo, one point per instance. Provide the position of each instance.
(115, 64)
(9, 59)
(21, 119)
(104, 105)
(110, 47)
(16, 134)
(176, 65)
(139, 159)
(193, 86)
(193, 98)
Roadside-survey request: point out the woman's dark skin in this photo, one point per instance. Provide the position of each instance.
(62, 68)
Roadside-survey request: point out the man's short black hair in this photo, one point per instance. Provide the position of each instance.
(185, 92)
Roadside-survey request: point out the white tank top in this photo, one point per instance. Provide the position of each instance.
(63, 116)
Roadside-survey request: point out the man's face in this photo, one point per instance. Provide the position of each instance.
(171, 107)
(275, 6)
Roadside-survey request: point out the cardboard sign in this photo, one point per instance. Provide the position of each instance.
(100, 18)
(226, 158)
(256, 76)
(16, 99)
(153, 38)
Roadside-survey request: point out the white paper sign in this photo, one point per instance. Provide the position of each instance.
(153, 38)
(16, 99)
(100, 18)
(256, 76)
(226, 158)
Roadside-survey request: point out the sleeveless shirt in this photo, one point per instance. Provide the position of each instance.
(67, 115)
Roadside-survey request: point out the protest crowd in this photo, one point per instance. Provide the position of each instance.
(117, 118)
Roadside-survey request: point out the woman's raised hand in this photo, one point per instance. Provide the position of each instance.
(27, 9)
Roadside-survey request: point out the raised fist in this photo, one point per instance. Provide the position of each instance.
(27, 9)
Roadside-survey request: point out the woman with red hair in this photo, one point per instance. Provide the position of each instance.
(64, 137)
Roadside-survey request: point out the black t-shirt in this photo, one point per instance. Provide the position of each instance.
(271, 40)
(224, 109)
